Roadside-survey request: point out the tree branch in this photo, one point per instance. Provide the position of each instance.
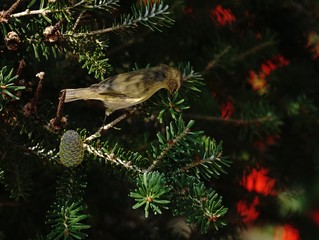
(111, 158)
(231, 121)
(169, 146)
(5, 15)
(110, 125)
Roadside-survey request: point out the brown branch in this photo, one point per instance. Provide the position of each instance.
(59, 121)
(52, 33)
(31, 107)
(36, 96)
(22, 65)
(5, 15)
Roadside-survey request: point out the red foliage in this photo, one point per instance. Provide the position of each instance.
(286, 232)
(188, 10)
(227, 110)
(248, 211)
(262, 145)
(258, 181)
(258, 80)
(222, 15)
(315, 216)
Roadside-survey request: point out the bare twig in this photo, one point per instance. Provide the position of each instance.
(231, 121)
(59, 121)
(43, 11)
(28, 12)
(110, 125)
(21, 66)
(78, 21)
(31, 107)
(35, 99)
(5, 15)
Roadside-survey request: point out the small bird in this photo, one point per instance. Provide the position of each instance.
(128, 89)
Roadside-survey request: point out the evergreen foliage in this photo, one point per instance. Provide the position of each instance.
(158, 170)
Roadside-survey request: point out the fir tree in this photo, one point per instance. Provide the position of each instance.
(235, 145)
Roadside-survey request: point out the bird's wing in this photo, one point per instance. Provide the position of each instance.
(131, 84)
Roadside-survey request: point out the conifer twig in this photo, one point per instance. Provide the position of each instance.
(5, 15)
(110, 125)
(231, 120)
(77, 21)
(169, 146)
(111, 157)
(194, 164)
(28, 12)
(254, 50)
(99, 31)
(211, 64)
(43, 11)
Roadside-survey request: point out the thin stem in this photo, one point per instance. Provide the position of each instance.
(231, 121)
(59, 121)
(31, 107)
(78, 21)
(43, 11)
(22, 65)
(110, 125)
(79, 3)
(254, 50)
(126, 24)
(202, 161)
(213, 62)
(60, 106)
(34, 101)
(210, 65)
(27, 12)
(96, 32)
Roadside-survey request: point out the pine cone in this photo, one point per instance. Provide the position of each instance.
(71, 149)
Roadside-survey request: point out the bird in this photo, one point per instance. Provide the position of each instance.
(128, 89)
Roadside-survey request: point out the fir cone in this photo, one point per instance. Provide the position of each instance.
(71, 149)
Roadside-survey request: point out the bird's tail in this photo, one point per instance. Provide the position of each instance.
(78, 94)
